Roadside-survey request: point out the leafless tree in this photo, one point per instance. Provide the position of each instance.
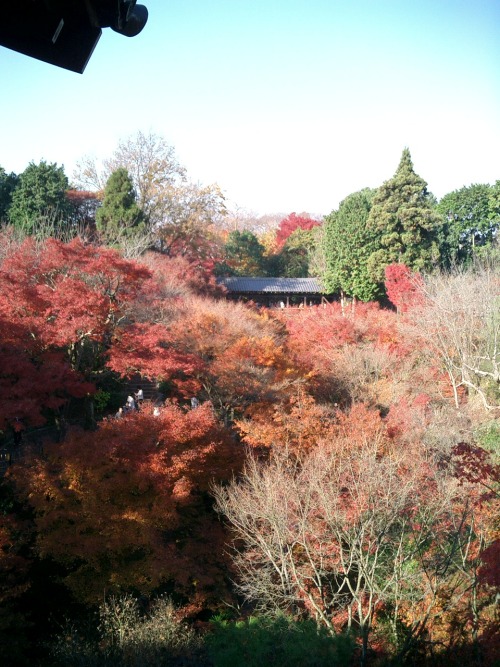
(193, 212)
(341, 535)
(241, 219)
(132, 246)
(460, 321)
(173, 205)
(152, 165)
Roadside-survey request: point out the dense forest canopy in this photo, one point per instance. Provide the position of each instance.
(328, 473)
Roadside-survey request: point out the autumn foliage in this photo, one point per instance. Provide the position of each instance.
(354, 489)
(130, 512)
(403, 287)
(289, 224)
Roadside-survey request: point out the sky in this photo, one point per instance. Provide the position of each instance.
(288, 105)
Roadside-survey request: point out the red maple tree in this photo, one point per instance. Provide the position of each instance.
(403, 287)
(289, 224)
(59, 304)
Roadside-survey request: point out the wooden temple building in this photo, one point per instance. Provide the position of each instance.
(275, 292)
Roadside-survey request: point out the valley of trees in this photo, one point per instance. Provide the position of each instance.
(307, 487)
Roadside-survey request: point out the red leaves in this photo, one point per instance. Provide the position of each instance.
(490, 570)
(28, 385)
(360, 427)
(240, 352)
(326, 326)
(407, 420)
(150, 351)
(288, 225)
(403, 287)
(474, 464)
(65, 292)
(181, 275)
(296, 425)
(87, 306)
(54, 300)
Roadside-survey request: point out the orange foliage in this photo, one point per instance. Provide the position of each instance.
(297, 425)
(241, 352)
(124, 507)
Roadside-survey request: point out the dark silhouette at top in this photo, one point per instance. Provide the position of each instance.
(65, 32)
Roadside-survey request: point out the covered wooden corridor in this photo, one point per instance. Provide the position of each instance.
(276, 292)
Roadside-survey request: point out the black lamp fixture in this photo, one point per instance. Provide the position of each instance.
(65, 32)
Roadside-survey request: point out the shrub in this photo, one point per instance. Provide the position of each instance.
(279, 641)
(488, 437)
(128, 638)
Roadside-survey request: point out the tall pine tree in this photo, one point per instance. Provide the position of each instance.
(403, 214)
(119, 216)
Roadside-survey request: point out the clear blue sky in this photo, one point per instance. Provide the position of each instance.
(287, 105)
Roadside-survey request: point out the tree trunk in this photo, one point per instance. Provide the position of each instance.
(365, 629)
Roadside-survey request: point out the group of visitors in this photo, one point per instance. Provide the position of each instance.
(132, 403)
(282, 305)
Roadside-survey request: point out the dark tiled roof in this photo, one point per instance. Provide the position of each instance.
(273, 285)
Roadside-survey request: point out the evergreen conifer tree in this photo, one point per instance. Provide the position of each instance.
(348, 244)
(403, 214)
(245, 254)
(119, 216)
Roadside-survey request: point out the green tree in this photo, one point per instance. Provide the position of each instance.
(348, 244)
(8, 184)
(293, 260)
(119, 216)
(403, 215)
(468, 222)
(245, 254)
(40, 195)
(494, 203)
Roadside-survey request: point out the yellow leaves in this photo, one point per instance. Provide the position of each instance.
(262, 351)
(73, 480)
(130, 515)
